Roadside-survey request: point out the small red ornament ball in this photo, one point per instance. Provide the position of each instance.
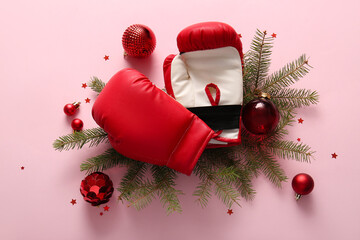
(77, 124)
(97, 188)
(302, 184)
(138, 41)
(260, 116)
(70, 109)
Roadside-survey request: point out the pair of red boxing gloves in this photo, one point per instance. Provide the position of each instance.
(201, 108)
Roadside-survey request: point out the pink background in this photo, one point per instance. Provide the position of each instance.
(49, 48)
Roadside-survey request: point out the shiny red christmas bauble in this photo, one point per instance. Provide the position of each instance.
(97, 188)
(260, 116)
(302, 184)
(138, 41)
(77, 124)
(70, 109)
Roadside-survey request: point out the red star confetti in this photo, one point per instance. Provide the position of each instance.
(73, 201)
(334, 155)
(106, 57)
(298, 139)
(22, 168)
(300, 120)
(87, 100)
(239, 35)
(101, 213)
(106, 208)
(230, 211)
(273, 35)
(84, 85)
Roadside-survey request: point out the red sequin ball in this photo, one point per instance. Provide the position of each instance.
(97, 188)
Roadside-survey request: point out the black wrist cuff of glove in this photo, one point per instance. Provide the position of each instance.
(219, 117)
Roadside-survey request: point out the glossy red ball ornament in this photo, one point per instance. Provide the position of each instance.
(77, 124)
(302, 184)
(70, 109)
(260, 116)
(97, 188)
(138, 41)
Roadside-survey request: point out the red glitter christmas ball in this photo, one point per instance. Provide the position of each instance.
(138, 41)
(77, 124)
(260, 116)
(97, 188)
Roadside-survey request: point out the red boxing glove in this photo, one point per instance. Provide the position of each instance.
(206, 77)
(145, 124)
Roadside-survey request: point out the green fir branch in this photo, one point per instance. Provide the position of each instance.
(132, 179)
(271, 168)
(143, 195)
(163, 186)
(258, 59)
(261, 161)
(203, 192)
(294, 98)
(110, 158)
(243, 182)
(291, 150)
(96, 84)
(252, 161)
(226, 164)
(93, 136)
(224, 191)
(164, 178)
(286, 76)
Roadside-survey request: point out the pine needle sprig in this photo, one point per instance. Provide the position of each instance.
(226, 164)
(142, 195)
(291, 150)
(287, 76)
(203, 192)
(243, 182)
(294, 98)
(93, 136)
(132, 179)
(271, 168)
(161, 186)
(164, 178)
(257, 61)
(214, 179)
(110, 158)
(96, 84)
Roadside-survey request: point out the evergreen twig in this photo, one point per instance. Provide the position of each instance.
(110, 158)
(257, 62)
(226, 192)
(271, 168)
(294, 98)
(132, 179)
(164, 178)
(94, 136)
(142, 195)
(291, 150)
(288, 75)
(163, 185)
(96, 84)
